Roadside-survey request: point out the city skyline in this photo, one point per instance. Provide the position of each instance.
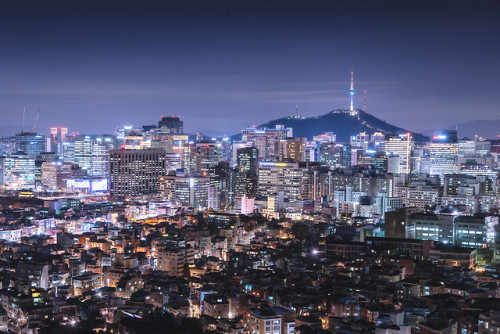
(223, 66)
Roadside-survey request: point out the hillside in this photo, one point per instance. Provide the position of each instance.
(341, 123)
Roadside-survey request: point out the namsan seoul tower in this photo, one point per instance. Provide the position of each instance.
(351, 92)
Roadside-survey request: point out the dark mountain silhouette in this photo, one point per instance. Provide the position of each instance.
(340, 122)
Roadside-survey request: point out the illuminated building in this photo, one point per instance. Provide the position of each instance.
(402, 146)
(443, 154)
(174, 260)
(202, 156)
(135, 172)
(327, 137)
(17, 171)
(30, 143)
(290, 178)
(49, 175)
(170, 125)
(190, 191)
(333, 154)
(247, 159)
(291, 148)
(40, 159)
(267, 320)
(68, 151)
(264, 139)
(361, 140)
(92, 153)
(57, 139)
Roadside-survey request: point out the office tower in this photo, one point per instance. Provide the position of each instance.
(291, 178)
(135, 172)
(247, 159)
(379, 161)
(361, 140)
(49, 175)
(402, 146)
(202, 156)
(377, 138)
(264, 139)
(40, 159)
(443, 153)
(30, 143)
(223, 179)
(57, 139)
(291, 148)
(327, 137)
(17, 171)
(170, 125)
(135, 141)
(186, 190)
(68, 151)
(236, 145)
(245, 184)
(92, 153)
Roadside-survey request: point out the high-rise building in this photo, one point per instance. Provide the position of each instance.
(92, 153)
(57, 139)
(17, 171)
(170, 125)
(291, 148)
(443, 153)
(202, 156)
(247, 159)
(402, 146)
(30, 143)
(264, 139)
(40, 159)
(193, 191)
(291, 178)
(135, 172)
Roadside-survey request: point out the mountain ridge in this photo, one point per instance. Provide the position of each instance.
(341, 122)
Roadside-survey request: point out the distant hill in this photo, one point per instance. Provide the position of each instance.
(339, 122)
(484, 128)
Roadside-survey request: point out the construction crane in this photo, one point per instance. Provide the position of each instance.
(33, 129)
(22, 122)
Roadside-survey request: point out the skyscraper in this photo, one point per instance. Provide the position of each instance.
(57, 139)
(247, 159)
(170, 125)
(91, 153)
(17, 171)
(264, 139)
(443, 150)
(135, 172)
(202, 156)
(30, 143)
(401, 146)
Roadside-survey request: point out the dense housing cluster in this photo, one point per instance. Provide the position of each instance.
(152, 230)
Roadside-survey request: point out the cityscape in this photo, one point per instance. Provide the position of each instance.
(337, 220)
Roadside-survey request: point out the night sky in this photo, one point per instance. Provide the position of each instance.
(226, 64)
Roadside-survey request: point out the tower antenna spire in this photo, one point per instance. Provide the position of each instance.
(351, 92)
(364, 105)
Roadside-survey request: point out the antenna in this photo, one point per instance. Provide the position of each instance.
(33, 129)
(351, 91)
(22, 123)
(297, 111)
(364, 106)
